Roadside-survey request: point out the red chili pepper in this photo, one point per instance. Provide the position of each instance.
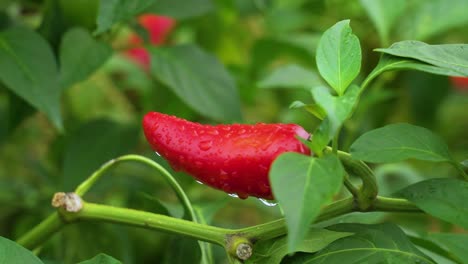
(233, 158)
(158, 27)
(460, 83)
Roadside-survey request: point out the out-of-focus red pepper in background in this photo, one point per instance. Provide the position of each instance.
(158, 27)
(460, 83)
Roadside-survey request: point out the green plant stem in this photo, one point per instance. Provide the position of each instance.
(278, 227)
(97, 212)
(216, 235)
(49, 226)
(88, 183)
(369, 189)
(386, 204)
(351, 188)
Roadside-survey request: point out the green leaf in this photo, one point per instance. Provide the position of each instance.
(339, 56)
(322, 136)
(338, 110)
(393, 177)
(93, 144)
(181, 9)
(28, 68)
(101, 259)
(397, 142)
(380, 243)
(78, 62)
(430, 18)
(388, 63)
(452, 57)
(10, 252)
(272, 251)
(437, 253)
(384, 14)
(198, 79)
(150, 203)
(115, 11)
(454, 243)
(302, 185)
(442, 198)
(291, 76)
(314, 109)
(267, 50)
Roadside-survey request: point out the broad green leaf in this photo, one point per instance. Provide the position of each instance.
(267, 50)
(291, 76)
(78, 62)
(314, 109)
(322, 136)
(198, 79)
(13, 111)
(10, 252)
(433, 250)
(302, 185)
(181, 9)
(301, 40)
(453, 57)
(272, 251)
(388, 62)
(430, 18)
(442, 198)
(92, 145)
(379, 243)
(454, 243)
(384, 14)
(339, 56)
(28, 68)
(101, 259)
(150, 203)
(392, 177)
(54, 22)
(115, 11)
(397, 142)
(338, 110)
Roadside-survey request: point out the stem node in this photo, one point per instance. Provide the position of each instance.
(239, 246)
(70, 202)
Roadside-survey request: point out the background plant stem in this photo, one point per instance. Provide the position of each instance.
(42, 231)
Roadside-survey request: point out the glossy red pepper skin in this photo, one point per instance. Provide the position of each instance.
(233, 158)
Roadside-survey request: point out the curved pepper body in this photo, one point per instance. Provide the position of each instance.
(233, 158)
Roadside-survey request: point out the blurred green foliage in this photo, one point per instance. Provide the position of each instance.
(246, 40)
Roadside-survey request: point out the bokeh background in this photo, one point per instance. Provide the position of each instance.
(250, 41)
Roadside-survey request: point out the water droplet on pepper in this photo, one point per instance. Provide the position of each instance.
(205, 145)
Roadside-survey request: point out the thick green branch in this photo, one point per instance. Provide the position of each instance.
(97, 212)
(278, 227)
(369, 189)
(216, 235)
